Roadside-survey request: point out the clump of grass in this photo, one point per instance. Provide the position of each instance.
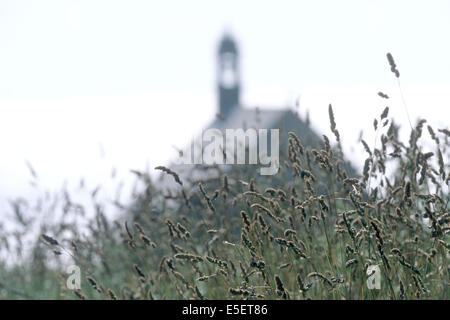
(309, 232)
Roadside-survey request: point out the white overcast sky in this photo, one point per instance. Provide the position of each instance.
(132, 79)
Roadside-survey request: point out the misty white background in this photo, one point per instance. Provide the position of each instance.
(86, 86)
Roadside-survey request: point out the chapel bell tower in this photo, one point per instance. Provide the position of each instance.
(228, 80)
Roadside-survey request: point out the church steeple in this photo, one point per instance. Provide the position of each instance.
(228, 81)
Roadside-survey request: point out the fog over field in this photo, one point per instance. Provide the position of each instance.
(85, 84)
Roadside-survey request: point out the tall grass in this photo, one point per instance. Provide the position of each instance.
(309, 232)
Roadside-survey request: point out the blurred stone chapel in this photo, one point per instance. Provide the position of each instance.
(232, 114)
